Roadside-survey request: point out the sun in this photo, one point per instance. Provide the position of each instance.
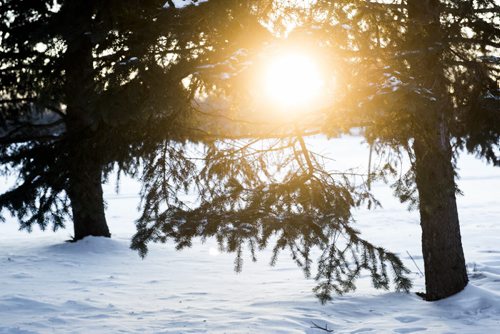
(292, 80)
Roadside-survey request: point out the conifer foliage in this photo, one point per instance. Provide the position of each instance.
(256, 183)
(88, 86)
(417, 76)
(275, 193)
(82, 83)
(425, 77)
(162, 94)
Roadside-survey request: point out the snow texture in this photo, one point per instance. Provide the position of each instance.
(100, 286)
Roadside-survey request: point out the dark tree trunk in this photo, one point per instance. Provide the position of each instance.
(85, 193)
(445, 271)
(84, 164)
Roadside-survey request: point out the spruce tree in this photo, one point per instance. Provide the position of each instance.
(123, 85)
(82, 84)
(419, 76)
(257, 183)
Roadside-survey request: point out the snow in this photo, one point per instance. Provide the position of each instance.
(183, 3)
(100, 286)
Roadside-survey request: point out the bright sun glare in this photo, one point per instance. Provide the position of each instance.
(292, 80)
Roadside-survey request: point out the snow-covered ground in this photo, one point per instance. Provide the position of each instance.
(101, 286)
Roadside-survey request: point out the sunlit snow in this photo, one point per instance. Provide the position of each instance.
(101, 286)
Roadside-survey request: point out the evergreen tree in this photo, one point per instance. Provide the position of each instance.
(257, 183)
(418, 76)
(82, 84)
(433, 89)
(90, 85)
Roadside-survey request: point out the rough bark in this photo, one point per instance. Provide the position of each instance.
(85, 169)
(445, 270)
(85, 193)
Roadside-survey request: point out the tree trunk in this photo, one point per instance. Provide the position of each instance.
(87, 204)
(445, 271)
(84, 165)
